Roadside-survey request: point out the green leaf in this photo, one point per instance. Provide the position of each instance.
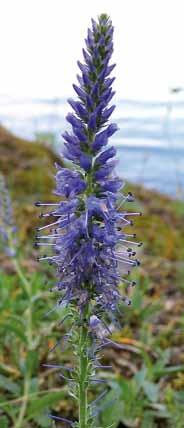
(9, 385)
(140, 376)
(111, 409)
(151, 390)
(4, 422)
(15, 329)
(34, 385)
(163, 360)
(38, 404)
(150, 310)
(42, 421)
(179, 396)
(148, 420)
(170, 370)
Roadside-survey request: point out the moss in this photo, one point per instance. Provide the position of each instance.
(29, 171)
(161, 226)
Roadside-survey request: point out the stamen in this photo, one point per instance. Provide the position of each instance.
(52, 214)
(48, 236)
(57, 366)
(128, 222)
(129, 214)
(124, 260)
(101, 366)
(47, 225)
(66, 316)
(127, 301)
(49, 312)
(66, 378)
(131, 283)
(43, 204)
(124, 199)
(47, 258)
(39, 244)
(58, 418)
(133, 235)
(111, 342)
(106, 326)
(130, 235)
(128, 262)
(98, 380)
(139, 244)
(98, 398)
(71, 261)
(126, 253)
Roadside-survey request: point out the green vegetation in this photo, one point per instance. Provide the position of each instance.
(146, 385)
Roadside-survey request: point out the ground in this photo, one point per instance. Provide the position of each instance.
(147, 379)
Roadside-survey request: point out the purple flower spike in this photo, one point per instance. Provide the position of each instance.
(7, 228)
(89, 245)
(85, 238)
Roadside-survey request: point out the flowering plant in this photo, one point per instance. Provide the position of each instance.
(7, 227)
(91, 250)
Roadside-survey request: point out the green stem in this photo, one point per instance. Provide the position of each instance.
(23, 408)
(20, 274)
(83, 372)
(27, 289)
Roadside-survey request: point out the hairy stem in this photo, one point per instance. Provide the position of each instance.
(83, 373)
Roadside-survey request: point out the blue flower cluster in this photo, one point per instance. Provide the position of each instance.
(91, 248)
(7, 227)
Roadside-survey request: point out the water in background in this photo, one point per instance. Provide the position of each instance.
(150, 141)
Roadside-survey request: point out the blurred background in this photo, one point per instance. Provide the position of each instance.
(40, 43)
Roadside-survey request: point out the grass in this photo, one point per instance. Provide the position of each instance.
(146, 385)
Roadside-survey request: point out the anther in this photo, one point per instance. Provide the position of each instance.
(127, 301)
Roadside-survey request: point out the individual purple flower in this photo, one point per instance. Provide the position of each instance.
(69, 183)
